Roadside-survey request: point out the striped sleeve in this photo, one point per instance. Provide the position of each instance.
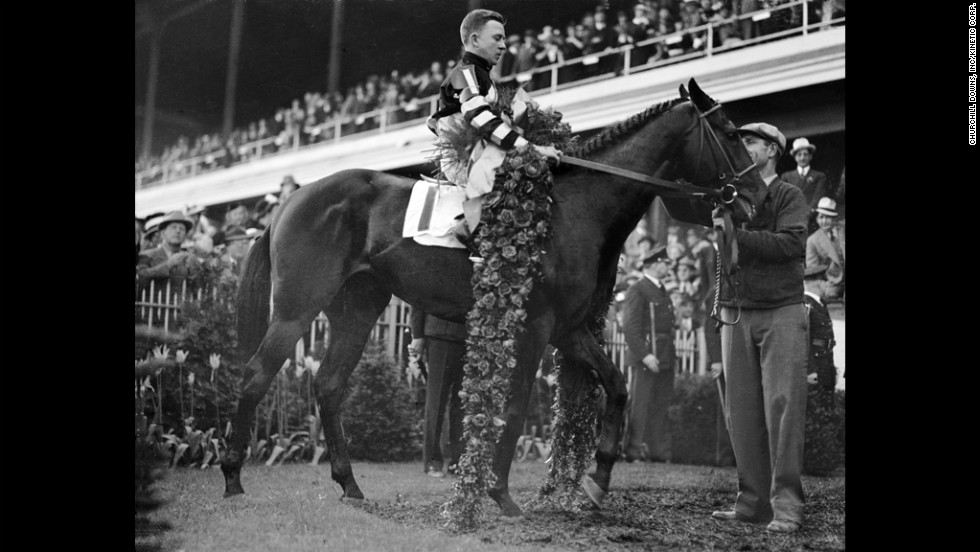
(477, 112)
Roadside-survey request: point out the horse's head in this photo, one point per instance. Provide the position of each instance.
(715, 158)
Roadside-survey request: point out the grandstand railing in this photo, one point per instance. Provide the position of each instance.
(548, 79)
(159, 307)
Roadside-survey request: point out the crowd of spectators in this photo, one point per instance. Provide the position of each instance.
(395, 97)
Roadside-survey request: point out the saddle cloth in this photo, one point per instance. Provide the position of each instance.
(432, 208)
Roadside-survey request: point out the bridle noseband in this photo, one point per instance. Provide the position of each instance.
(728, 191)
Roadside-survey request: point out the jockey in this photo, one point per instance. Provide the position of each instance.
(465, 98)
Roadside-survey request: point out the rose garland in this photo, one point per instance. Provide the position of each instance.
(573, 441)
(515, 224)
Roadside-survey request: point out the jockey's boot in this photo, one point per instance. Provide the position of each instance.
(462, 232)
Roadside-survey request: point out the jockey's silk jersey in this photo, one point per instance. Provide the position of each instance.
(468, 91)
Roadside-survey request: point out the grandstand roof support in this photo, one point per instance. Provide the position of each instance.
(336, 43)
(156, 36)
(155, 21)
(231, 81)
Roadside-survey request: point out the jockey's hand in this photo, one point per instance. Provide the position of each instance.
(549, 152)
(652, 363)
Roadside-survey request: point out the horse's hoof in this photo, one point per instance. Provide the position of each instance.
(509, 508)
(234, 492)
(593, 491)
(354, 494)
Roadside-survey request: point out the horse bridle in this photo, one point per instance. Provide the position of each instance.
(721, 197)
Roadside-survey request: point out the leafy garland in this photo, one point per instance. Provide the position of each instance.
(515, 224)
(573, 441)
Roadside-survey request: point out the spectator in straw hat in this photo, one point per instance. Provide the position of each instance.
(287, 187)
(812, 182)
(151, 236)
(825, 250)
(168, 261)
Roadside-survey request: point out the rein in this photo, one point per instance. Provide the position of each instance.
(725, 195)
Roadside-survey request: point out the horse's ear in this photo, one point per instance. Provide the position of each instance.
(700, 99)
(683, 92)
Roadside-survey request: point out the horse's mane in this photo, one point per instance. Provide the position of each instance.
(616, 131)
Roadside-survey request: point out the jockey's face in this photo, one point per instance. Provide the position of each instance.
(489, 43)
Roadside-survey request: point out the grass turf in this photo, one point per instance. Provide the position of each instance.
(295, 507)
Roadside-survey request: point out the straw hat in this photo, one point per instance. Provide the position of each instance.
(827, 206)
(802, 143)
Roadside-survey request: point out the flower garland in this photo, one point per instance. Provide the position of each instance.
(576, 411)
(515, 224)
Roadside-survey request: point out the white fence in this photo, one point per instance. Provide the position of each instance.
(158, 307)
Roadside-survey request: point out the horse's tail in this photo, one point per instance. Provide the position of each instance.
(254, 290)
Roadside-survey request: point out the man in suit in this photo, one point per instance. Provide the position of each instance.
(825, 250)
(445, 343)
(648, 326)
(168, 261)
(813, 183)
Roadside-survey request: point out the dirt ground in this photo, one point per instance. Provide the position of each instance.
(650, 507)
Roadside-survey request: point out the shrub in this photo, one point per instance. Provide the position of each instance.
(381, 422)
(824, 444)
(693, 419)
(694, 425)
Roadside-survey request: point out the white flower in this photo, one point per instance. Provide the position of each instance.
(215, 360)
(190, 378)
(181, 356)
(161, 352)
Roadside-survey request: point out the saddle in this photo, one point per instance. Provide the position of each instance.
(433, 212)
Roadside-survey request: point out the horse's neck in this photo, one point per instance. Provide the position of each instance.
(624, 201)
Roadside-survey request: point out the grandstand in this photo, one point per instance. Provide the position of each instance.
(791, 75)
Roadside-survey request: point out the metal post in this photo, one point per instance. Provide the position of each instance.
(151, 88)
(336, 41)
(231, 80)
(806, 17)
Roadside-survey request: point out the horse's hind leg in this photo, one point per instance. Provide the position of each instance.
(583, 353)
(278, 344)
(352, 314)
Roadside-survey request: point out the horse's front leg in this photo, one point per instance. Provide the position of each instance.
(582, 352)
(352, 315)
(530, 347)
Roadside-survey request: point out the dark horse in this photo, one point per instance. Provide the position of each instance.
(335, 246)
